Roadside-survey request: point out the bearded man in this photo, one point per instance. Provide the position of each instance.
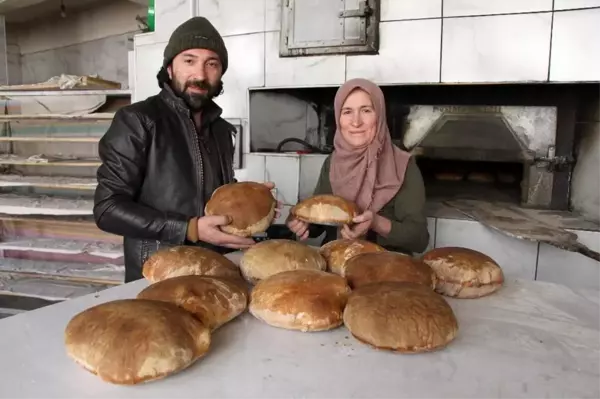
(163, 157)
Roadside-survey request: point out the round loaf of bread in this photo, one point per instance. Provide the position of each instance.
(305, 300)
(270, 257)
(449, 176)
(249, 205)
(338, 252)
(463, 272)
(402, 317)
(325, 209)
(378, 267)
(185, 260)
(130, 341)
(213, 300)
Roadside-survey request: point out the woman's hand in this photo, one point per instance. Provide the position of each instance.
(271, 186)
(363, 223)
(298, 227)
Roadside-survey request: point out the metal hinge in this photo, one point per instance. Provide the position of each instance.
(552, 162)
(364, 10)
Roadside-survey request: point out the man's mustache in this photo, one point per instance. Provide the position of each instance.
(199, 84)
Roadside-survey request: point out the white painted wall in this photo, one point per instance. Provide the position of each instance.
(94, 41)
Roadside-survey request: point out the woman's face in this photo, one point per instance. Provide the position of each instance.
(358, 120)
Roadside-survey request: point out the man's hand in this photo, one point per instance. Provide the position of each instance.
(209, 231)
(362, 225)
(298, 227)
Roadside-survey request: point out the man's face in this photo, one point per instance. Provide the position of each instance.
(196, 76)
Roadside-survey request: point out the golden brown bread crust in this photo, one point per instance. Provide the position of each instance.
(449, 176)
(270, 257)
(325, 208)
(305, 300)
(130, 341)
(463, 272)
(402, 317)
(213, 300)
(249, 205)
(378, 267)
(337, 252)
(187, 260)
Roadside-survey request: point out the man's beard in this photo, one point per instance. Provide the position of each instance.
(196, 100)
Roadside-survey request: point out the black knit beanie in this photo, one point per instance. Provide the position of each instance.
(196, 32)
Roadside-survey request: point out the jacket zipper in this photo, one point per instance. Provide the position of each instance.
(198, 160)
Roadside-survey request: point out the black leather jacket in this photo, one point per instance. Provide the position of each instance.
(153, 174)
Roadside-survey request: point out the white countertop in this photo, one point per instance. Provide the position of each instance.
(531, 339)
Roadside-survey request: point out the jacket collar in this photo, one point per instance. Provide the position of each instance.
(210, 112)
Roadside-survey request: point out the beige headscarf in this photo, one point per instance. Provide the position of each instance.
(370, 176)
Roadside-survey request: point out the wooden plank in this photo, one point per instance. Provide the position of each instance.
(14, 160)
(11, 204)
(98, 116)
(102, 249)
(67, 227)
(512, 221)
(101, 273)
(74, 139)
(7, 92)
(48, 182)
(45, 288)
(83, 82)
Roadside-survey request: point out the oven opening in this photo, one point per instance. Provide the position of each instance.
(480, 180)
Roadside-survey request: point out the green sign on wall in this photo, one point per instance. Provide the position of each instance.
(151, 15)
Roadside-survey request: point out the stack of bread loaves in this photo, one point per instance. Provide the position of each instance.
(385, 299)
(193, 292)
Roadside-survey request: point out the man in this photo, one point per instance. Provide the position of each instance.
(163, 157)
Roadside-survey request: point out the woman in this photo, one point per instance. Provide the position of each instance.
(367, 168)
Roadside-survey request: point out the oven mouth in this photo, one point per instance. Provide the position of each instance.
(484, 137)
(477, 180)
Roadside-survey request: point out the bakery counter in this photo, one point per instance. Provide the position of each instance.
(530, 339)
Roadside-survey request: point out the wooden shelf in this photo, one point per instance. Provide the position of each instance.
(48, 182)
(50, 139)
(50, 162)
(70, 92)
(98, 116)
(13, 204)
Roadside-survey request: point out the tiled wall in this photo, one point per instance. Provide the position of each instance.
(475, 41)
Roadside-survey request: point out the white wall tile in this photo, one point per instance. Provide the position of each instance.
(234, 17)
(487, 7)
(393, 10)
(569, 268)
(148, 60)
(253, 168)
(409, 53)
(499, 48)
(310, 169)
(246, 69)
(517, 258)
(300, 71)
(169, 14)
(576, 46)
(284, 172)
(284, 213)
(571, 4)
(273, 15)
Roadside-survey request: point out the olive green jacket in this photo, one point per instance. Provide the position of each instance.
(409, 232)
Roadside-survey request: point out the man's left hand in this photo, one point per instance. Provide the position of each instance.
(363, 223)
(271, 186)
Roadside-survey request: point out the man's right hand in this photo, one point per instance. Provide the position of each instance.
(298, 227)
(209, 231)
